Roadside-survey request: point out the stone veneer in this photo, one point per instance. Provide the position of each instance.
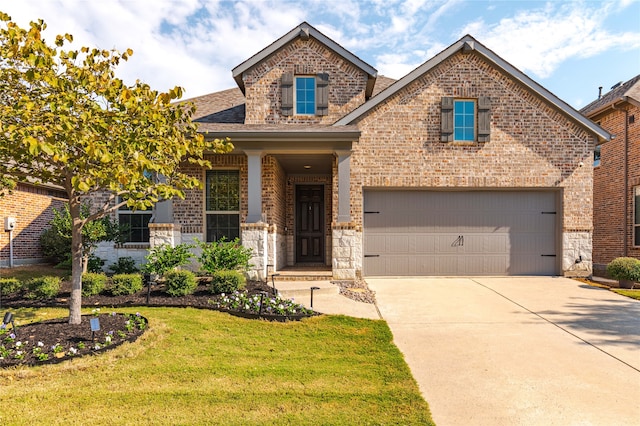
(255, 237)
(347, 251)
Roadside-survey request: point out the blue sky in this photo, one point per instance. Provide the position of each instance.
(570, 47)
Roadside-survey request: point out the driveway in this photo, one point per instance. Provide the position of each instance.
(517, 351)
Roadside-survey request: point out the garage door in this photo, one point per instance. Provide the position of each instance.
(460, 233)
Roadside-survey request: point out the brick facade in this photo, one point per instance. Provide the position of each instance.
(609, 187)
(32, 206)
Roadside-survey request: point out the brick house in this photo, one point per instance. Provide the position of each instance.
(616, 175)
(465, 166)
(32, 208)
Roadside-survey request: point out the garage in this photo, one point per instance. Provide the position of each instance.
(460, 233)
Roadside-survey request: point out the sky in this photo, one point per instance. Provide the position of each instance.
(569, 47)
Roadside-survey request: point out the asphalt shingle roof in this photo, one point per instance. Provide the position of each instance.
(629, 88)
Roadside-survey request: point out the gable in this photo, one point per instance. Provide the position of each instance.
(468, 46)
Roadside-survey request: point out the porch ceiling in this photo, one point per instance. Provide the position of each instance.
(295, 163)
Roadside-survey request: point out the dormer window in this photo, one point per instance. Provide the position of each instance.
(305, 94)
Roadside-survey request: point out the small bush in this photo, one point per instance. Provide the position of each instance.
(123, 284)
(95, 264)
(46, 287)
(223, 255)
(180, 283)
(9, 286)
(93, 283)
(124, 265)
(226, 282)
(164, 258)
(624, 268)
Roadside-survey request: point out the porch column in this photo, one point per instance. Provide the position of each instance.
(163, 210)
(254, 190)
(344, 186)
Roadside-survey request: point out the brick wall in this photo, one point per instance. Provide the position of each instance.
(347, 83)
(32, 207)
(532, 145)
(608, 202)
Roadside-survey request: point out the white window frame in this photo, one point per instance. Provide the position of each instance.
(295, 95)
(475, 119)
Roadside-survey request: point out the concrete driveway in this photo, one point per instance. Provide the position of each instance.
(517, 351)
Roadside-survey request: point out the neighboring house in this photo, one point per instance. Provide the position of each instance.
(465, 166)
(32, 208)
(616, 175)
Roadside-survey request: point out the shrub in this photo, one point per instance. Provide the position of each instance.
(123, 284)
(95, 264)
(223, 255)
(93, 283)
(45, 287)
(624, 268)
(124, 265)
(164, 258)
(226, 282)
(9, 286)
(180, 283)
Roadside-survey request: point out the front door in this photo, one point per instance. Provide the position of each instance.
(310, 223)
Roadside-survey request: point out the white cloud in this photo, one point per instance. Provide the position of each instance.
(540, 40)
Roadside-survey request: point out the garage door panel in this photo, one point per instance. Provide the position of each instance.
(460, 233)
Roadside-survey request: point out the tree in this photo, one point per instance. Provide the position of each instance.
(66, 119)
(56, 240)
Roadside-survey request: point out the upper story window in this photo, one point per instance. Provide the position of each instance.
(465, 120)
(596, 156)
(305, 94)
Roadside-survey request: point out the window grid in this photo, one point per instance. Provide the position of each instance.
(305, 95)
(137, 222)
(222, 201)
(464, 112)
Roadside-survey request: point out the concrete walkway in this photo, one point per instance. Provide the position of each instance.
(517, 351)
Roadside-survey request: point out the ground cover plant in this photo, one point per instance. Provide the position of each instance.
(197, 366)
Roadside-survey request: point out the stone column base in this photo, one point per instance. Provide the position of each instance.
(577, 258)
(255, 237)
(164, 233)
(346, 259)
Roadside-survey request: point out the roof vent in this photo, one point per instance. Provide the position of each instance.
(304, 33)
(599, 92)
(618, 84)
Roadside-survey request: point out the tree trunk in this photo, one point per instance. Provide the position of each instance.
(75, 302)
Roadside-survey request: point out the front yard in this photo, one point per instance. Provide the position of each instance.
(205, 367)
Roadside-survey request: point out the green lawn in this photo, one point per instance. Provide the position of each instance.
(205, 367)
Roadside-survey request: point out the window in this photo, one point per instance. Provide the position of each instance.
(464, 117)
(222, 198)
(137, 224)
(466, 120)
(636, 216)
(309, 94)
(596, 156)
(305, 95)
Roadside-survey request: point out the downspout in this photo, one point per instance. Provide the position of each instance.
(625, 246)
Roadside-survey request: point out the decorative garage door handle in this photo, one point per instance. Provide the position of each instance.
(459, 242)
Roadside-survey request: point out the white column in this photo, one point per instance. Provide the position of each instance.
(344, 186)
(254, 190)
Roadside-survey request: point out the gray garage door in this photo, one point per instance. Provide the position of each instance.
(460, 233)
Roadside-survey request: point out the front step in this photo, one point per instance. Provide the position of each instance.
(302, 277)
(300, 289)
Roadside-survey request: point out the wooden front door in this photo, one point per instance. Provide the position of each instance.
(310, 223)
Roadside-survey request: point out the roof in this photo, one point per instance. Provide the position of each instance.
(305, 31)
(628, 91)
(468, 44)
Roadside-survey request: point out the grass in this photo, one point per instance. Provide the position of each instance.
(634, 294)
(206, 367)
(25, 273)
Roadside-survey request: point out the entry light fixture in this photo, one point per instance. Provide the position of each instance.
(307, 166)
